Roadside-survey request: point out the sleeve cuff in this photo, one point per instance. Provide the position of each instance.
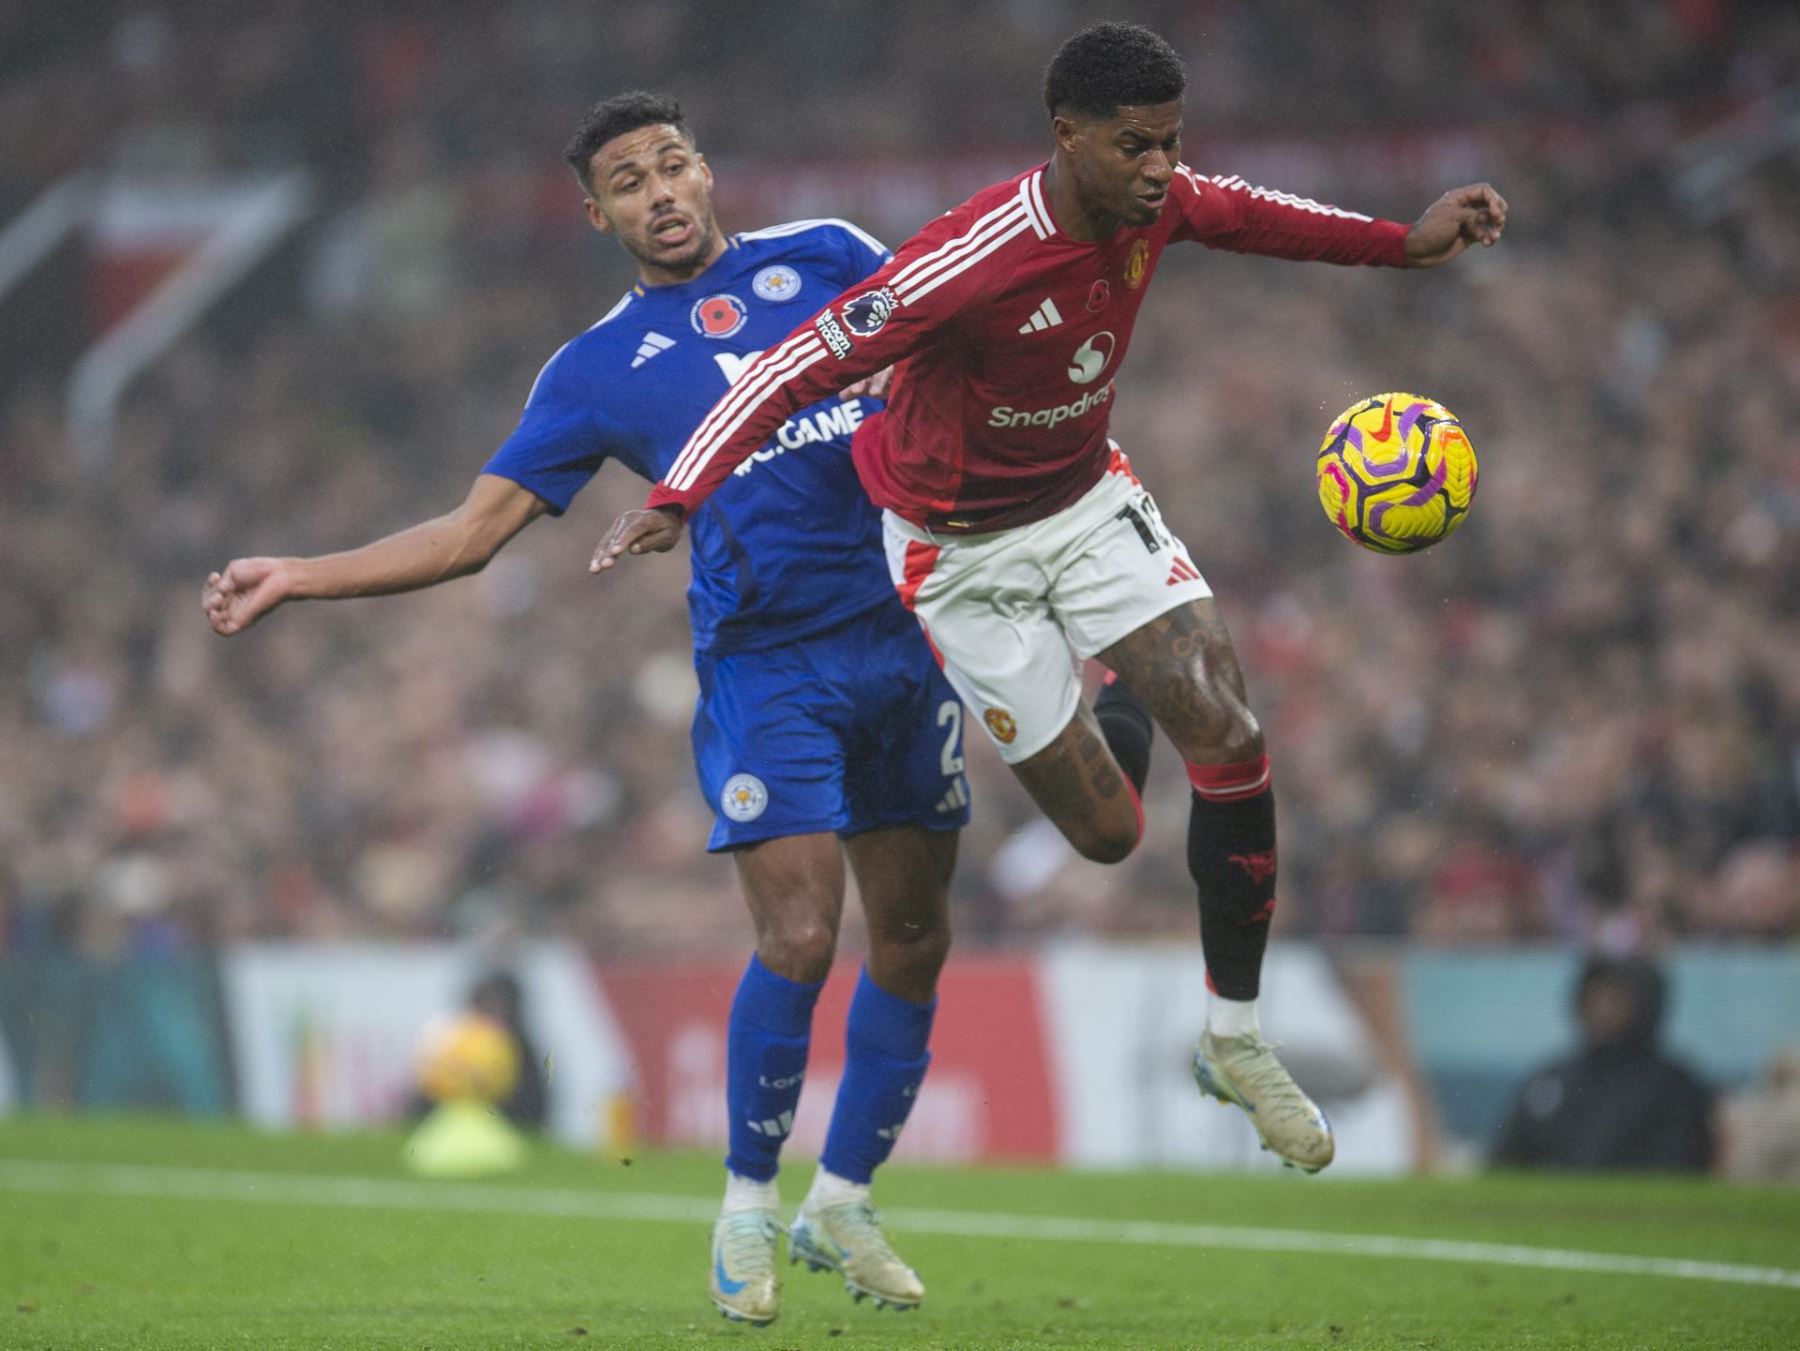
(663, 496)
(1392, 236)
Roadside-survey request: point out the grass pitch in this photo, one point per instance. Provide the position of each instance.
(153, 1234)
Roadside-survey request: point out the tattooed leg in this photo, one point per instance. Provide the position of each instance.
(1183, 668)
(1080, 787)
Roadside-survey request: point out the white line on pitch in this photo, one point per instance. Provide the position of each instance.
(388, 1194)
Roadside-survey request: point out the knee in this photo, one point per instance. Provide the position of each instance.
(1231, 738)
(799, 949)
(1107, 841)
(924, 953)
(907, 961)
(1244, 738)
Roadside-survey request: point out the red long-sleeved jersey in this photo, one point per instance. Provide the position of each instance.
(1007, 335)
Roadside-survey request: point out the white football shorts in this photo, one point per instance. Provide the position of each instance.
(1012, 615)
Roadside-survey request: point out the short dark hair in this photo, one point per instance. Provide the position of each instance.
(616, 116)
(1108, 66)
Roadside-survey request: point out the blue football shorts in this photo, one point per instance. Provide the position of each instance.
(847, 731)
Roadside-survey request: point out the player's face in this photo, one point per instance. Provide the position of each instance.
(1122, 164)
(654, 191)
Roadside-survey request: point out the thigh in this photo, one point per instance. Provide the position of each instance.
(1129, 566)
(768, 747)
(1182, 665)
(903, 876)
(984, 605)
(904, 762)
(1077, 784)
(793, 884)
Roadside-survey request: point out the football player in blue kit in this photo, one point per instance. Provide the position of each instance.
(825, 729)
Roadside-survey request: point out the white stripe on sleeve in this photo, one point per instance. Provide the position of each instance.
(919, 292)
(682, 479)
(920, 267)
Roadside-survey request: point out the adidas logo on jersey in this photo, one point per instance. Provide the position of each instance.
(956, 799)
(652, 345)
(1045, 316)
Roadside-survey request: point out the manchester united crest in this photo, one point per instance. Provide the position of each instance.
(1137, 263)
(1001, 724)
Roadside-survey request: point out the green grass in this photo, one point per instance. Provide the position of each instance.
(85, 1265)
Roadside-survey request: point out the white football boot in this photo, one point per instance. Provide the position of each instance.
(1243, 1071)
(743, 1284)
(847, 1239)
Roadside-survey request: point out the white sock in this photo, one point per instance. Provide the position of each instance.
(1231, 1017)
(745, 1193)
(828, 1189)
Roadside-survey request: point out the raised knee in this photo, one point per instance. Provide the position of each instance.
(1230, 741)
(1245, 743)
(1110, 843)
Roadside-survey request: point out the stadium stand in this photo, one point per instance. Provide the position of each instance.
(1580, 720)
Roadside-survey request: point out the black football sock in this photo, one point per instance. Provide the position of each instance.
(1231, 856)
(1126, 725)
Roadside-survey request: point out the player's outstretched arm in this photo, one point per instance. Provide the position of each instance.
(453, 545)
(1461, 217)
(648, 530)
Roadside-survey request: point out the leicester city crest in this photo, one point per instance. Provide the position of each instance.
(777, 283)
(744, 798)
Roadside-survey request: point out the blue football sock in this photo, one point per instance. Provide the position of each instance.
(765, 1061)
(884, 1064)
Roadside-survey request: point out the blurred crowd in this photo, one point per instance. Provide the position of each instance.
(1579, 719)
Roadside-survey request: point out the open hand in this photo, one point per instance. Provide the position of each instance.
(1461, 217)
(870, 387)
(651, 530)
(243, 593)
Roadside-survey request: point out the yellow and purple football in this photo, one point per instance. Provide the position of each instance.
(1396, 473)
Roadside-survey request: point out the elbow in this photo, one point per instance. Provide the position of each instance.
(474, 556)
(470, 552)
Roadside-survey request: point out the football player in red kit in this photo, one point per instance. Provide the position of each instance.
(1015, 528)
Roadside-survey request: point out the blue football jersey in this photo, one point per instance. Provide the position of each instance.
(792, 545)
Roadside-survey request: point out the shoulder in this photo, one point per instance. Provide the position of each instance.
(1191, 181)
(572, 361)
(801, 235)
(1015, 206)
(986, 234)
(1198, 191)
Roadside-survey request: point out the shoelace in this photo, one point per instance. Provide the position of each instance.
(1269, 1083)
(861, 1225)
(749, 1243)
